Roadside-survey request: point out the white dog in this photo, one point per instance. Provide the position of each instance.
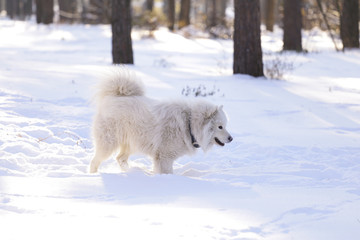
(128, 122)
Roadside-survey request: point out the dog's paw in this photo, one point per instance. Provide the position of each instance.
(93, 170)
(124, 166)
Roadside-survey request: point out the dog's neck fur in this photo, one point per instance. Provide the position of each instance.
(193, 140)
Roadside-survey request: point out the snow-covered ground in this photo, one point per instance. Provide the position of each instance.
(292, 171)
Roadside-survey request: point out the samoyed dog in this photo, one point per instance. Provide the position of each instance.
(127, 122)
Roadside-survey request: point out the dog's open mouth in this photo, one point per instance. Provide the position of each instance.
(219, 142)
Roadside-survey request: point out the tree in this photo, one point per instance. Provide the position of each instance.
(122, 51)
(247, 42)
(270, 14)
(184, 17)
(44, 11)
(211, 13)
(349, 23)
(215, 13)
(319, 3)
(99, 11)
(149, 5)
(18, 9)
(67, 10)
(171, 14)
(2, 5)
(292, 25)
(10, 8)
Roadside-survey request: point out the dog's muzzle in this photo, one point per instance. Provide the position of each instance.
(221, 143)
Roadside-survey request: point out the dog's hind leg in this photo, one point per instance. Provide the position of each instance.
(100, 155)
(122, 159)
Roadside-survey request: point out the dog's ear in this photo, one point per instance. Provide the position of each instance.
(211, 114)
(220, 107)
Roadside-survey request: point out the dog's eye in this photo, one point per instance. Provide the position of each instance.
(220, 127)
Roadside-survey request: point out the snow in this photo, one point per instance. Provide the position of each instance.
(292, 171)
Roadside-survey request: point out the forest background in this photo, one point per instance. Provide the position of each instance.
(214, 18)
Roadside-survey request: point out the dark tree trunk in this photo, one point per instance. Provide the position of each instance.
(28, 8)
(171, 14)
(222, 12)
(211, 13)
(184, 18)
(18, 9)
(38, 11)
(44, 11)
(247, 41)
(67, 10)
(292, 25)
(122, 51)
(270, 14)
(99, 11)
(10, 8)
(350, 23)
(2, 5)
(149, 4)
(48, 11)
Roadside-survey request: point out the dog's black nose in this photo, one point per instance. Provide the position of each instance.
(230, 138)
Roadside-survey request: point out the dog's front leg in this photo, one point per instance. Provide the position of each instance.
(163, 165)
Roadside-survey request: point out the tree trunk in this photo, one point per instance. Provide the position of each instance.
(122, 51)
(10, 8)
(270, 14)
(28, 8)
(222, 12)
(17, 9)
(2, 5)
(215, 13)
(149, 5)
(99, 11)
(210, 13)
(171, 14)
(67, 10)
(349, 23)
(292, 25)
(38, 11)
(184, 18)
(48, 11)
(44, 11)
(247, 41)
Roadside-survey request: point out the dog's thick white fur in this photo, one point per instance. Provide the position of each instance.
(127, 122)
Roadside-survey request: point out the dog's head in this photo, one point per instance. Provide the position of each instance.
(209, 126)
(220, 134)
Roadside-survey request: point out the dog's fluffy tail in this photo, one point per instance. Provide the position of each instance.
(120, 82)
